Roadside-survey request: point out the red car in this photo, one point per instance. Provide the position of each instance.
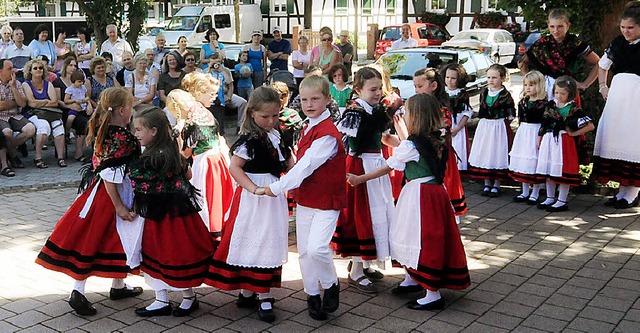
(426, 34)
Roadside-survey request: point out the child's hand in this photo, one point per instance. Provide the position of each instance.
(124, 213)
(454, 131)
(604, 91)
(539, 141)
(353, 180)
(267, 191)
(260, 191)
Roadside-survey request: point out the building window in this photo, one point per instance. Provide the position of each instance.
(492, 4)
(279, 6)
(391, 6)
(438, 4)
(366, 7)
(342, 7)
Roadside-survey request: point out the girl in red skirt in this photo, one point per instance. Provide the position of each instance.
(203, 143)
(100, 235)
(176, 245)
(425, 238)
(558, 156)
(254, 238)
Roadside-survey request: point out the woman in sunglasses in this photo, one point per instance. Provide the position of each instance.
(327, 55)
(190, 63)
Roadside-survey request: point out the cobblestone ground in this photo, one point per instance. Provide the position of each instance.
(531, 271)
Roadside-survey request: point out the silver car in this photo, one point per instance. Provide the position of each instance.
(496, 43)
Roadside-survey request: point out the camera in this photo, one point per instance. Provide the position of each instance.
(216, 66)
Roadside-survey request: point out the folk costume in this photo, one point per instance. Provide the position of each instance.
(393, 104)
(558, 155)
(425, 238)
(176, 245)
(460, 108)
(489, 157)
(91, 239)
(524, 153)
(210, 167)
(616, 152)
(554, 59)
(363, 226)
(254, 243)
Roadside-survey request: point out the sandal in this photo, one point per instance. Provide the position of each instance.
(62, 163)
(81, 159)
(40, 163)
(369, 288)
(8, 172)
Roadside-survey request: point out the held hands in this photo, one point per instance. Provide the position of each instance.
(354, 180)
(267, 191)
(124, 213)
(259, 191)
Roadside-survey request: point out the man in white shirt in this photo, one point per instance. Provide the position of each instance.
(18, 53)
(116, 46)
(406, 40)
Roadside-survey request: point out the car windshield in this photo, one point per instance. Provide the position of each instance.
(392, 33)
(482, 36)
(182, 23)
(534, 36)
(405, 64)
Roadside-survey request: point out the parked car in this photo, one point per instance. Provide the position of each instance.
(524, 46)
(426, 34)
(496, 43)
(404, 63)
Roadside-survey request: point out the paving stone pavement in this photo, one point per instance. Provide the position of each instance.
(531, 271)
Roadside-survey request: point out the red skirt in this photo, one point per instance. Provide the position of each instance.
(230, 277)
(218, 192)
(354, 229)
(570, 166)
(624, 172)
(90, 246)
(177, 250)
(396, 176)
(454, 185)
(442, 262)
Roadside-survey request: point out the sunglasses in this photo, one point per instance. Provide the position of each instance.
(326, 39)
(37, 68)
(189, 59)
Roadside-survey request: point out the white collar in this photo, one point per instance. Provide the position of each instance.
(635, 41)
(495, 93)
(365, 105)
(452, 92)
(315, 121)
(345, 87)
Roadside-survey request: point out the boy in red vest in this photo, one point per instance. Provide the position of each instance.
(319, 182)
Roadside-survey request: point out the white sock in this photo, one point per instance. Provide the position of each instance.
(431, 296)
(536, 192)
(487, 183)
(525, 190)
(551, 193)
(79, 285)
(265, 305)
(188, 297)
(162, 300)
(246, 293)
(408, 281)
(496, 185)
(563, 193)
(622, 191)
(357, 271)
(117, 284)
(457, 219)
(631, 193)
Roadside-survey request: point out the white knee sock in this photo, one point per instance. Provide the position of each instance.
(496, 184)
(117, 284)
(563, 193)
(265, 305)
(631, 193)
(188, 297)
(431, 296)
(162, 300)
(357, 271)
(79, 285)
(408, 281)
(551, 193)
(536, 192)
(525, 190)
(487, 183)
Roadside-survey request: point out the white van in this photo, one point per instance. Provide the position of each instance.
(194, 21)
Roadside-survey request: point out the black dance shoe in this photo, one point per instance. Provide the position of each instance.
(81, 304)
(403, 290)
(115, 294)
(247, 302)
(315, 308)
(266, 315)
(163, 311)
(331, 298)
(180, 312)
(435, 305)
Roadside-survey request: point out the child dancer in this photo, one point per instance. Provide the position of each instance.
(363, 228)
(208, 149)
(100, 235)
(616, 151)
(489, 157)
(425, 238)
(558, 156)
(340, 90)
(176, 247)
(428, 81)
(524, 154)
(254, 239)
(455, 80)
(319, 182)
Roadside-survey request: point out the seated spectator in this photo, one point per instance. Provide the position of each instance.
(18, 53)
(43, 110)
(171, 77)
(51, 76)
(141, 83)
(5, 38)
(226, 98)
(41, 45)
(12, 97)
(99, 80)
(108, 57)
(127, 61)
(190, 63)
(159, 51)
(85, 50)
(290, 120)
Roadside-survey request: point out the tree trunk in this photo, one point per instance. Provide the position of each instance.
(610, 27)
(236, 10)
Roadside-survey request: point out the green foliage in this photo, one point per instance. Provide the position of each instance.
(489, 19)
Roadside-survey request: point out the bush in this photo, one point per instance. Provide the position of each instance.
(489, 19)
(436, 18)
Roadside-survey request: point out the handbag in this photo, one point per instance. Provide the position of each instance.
(48, 114)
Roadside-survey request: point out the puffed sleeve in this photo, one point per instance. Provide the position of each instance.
(113, 175)
(404, 153)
